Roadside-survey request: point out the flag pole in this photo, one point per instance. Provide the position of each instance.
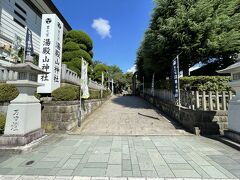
(179, 93)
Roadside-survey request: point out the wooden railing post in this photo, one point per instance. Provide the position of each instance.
(197, 99)
(204, 104)
(217, 101)
(210, 101)
(224, 103)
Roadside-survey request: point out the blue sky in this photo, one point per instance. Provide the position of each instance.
(116, 26)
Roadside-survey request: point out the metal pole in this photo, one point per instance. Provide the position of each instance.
(143, 86)
(80, 108)
(112, 88)
(179, 93)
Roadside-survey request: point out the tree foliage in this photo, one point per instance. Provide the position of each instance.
(77, 45)
(201, 30)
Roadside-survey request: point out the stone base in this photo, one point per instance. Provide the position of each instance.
(233, 135)
(11, 140)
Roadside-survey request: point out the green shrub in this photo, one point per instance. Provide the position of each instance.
(2, 123)
(94, 94)
(8, 92)
(83, 47)
(206, 83)
(106, 93)
(70, 46)
(91, 53)
(68, 56)
(66, 93)
(75, 65)
(79, 37)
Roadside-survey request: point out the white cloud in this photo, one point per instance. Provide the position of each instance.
(133, 69)
(103, 27)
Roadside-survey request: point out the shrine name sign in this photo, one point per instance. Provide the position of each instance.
(50, 58)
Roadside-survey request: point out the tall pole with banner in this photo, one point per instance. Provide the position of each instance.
(102, 85)
(153, 79)
(28, 52)
(175, 80)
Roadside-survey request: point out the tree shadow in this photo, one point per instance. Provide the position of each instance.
(136, 102)
(132, 102)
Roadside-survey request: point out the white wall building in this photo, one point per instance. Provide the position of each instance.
(18, 15)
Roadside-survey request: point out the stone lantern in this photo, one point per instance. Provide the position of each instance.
(23, 122)
(234, 105)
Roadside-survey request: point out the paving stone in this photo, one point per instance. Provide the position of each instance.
(174, 159)
(9, 177)
(118, 178)
(64, 172)
(92, 172)
(165, 172)
(149, 174)
(37, 171)
(63, 178)
(96, 165)
(71, 164)
(126, 165)
(14, 163)
(27, 178)
(81, 178)
(213, 172)
(45, 177)
(4, 171)
(180, 166)
(98, 158)
(45, 164)
(99, 178)
(114, 170)
(127, 173)
(76, 156)
(147, 166)
(186, 173)
(199, 170)
(115, 158)
(136, 173)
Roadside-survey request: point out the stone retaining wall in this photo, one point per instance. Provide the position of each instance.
(208, 122)
(64, 116)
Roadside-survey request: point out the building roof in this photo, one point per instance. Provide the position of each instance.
(48, 7)
(54, 9)
(231, 69)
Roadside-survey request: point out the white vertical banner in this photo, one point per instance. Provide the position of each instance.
(153, 79)
(102, 85)
(84, 79)
(50, 59)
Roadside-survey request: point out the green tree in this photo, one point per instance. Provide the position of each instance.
(77, 45)
(201, 30)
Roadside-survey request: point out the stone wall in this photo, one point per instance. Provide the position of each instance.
(64, 116)
(208, 122)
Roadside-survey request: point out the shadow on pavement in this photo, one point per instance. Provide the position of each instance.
(131, 102)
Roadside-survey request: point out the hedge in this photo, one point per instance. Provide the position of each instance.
(66, 93)
(2, 123)
(8, 92)
(206, 83)
(197, 83)
(71, 93)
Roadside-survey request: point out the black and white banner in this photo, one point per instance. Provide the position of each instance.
(175, 78)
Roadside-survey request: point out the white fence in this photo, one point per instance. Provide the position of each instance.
(67, 76)
(195, 100)
(7, 75)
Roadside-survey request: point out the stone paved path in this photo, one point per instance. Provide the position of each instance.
(125, 156)
(120, 116)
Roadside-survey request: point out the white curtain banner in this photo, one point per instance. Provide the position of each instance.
(84, 80)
